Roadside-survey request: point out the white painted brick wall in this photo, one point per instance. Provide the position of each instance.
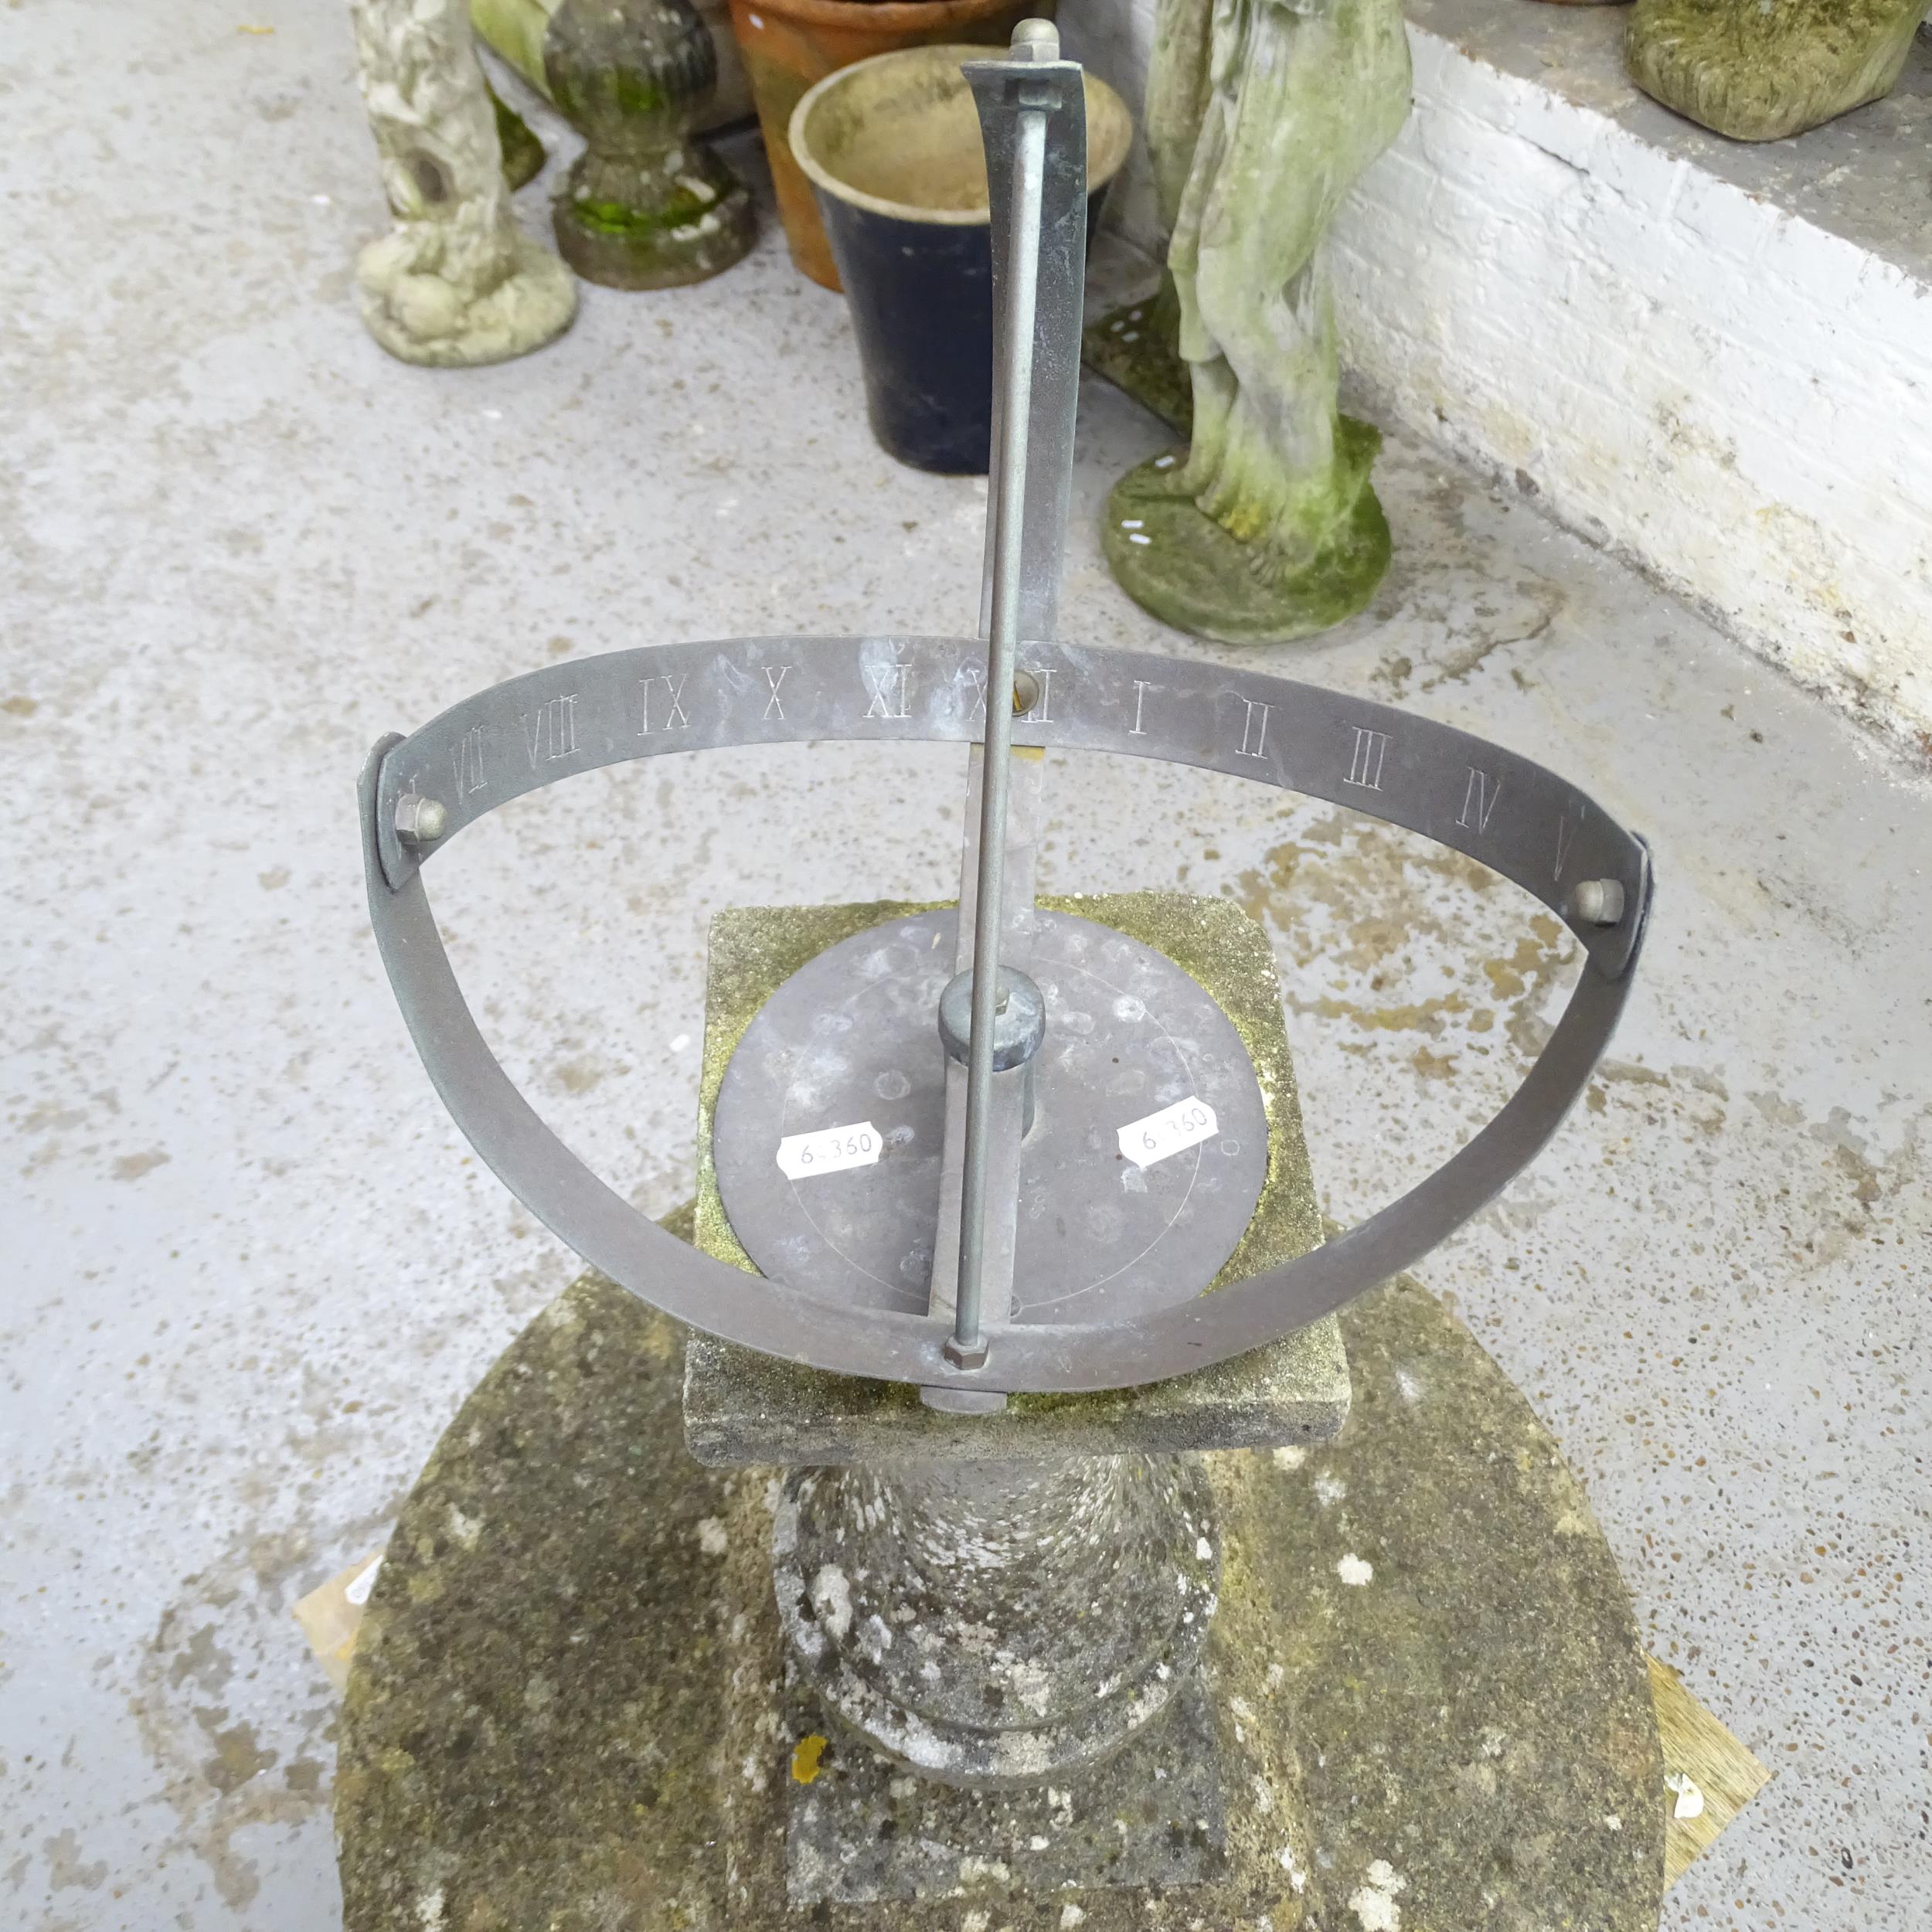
(1736, 398)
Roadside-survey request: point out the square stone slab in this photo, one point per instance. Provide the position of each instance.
(860, 1828)
(742, 1407)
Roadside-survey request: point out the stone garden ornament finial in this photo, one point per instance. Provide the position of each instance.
(1261, 115)
(456, 281)
(648, 204)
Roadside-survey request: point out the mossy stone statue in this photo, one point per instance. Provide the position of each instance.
(1763, 70)
(1268, 529)
(647, 205)
(455, 282)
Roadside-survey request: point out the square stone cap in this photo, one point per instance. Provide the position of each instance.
(743, 1407)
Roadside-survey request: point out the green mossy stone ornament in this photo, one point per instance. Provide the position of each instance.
(1764, 69)
(647, 204)
(1193, 571)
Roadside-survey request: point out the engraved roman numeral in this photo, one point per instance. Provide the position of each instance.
(1365, 766)
(1479, 799)
(773, 707)
(1141, 688)
(466, 755)
(1043, 710)
(889, 684)
(974, 674)
(550, 731)
(1254, 730)
(673, 718)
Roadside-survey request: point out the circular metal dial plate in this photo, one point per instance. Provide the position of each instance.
(854, 1037)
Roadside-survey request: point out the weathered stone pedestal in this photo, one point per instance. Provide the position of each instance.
(1053, 1667)
(989, 1626)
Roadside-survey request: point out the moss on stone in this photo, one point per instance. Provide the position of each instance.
(523, 155)
(1763, 70)
(1223, 576)
(1137, 349)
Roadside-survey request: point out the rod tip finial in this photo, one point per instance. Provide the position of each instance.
(1036, 40)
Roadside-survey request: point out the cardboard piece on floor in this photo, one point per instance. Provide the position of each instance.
(1697, 1748)
(330, 1616)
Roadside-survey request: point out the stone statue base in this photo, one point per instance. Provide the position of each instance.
(654, 221)
(421, 316)
(578, 1700)
(1185, 567)
(1190, 570)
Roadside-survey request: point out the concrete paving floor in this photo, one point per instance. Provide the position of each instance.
(250, 1271)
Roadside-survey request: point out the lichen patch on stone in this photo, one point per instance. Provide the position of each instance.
(1373, 1902)
(831, 1600)
(805, 1756)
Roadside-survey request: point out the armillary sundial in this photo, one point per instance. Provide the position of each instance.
(1007, 1155)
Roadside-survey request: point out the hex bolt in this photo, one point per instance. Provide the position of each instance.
(420, 821)
(965, 1355)
(1600, 901)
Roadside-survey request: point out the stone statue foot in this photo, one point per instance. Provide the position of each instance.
(1762, 70)
(419, 316)
(523, 155)
(1176, 561)
(657, 221)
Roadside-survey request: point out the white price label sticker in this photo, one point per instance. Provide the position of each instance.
(1186, 1123)
(831, 1151)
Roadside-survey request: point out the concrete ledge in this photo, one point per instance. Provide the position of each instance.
(1714, 358)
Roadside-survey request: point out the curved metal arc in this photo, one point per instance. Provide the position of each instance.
(515, 1143)
(563, 1193)
(1504, 810)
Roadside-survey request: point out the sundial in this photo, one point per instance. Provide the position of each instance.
(1126, 1037)
(1002, 1154)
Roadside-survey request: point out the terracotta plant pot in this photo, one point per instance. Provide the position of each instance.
(893, 147)
(788, 45)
